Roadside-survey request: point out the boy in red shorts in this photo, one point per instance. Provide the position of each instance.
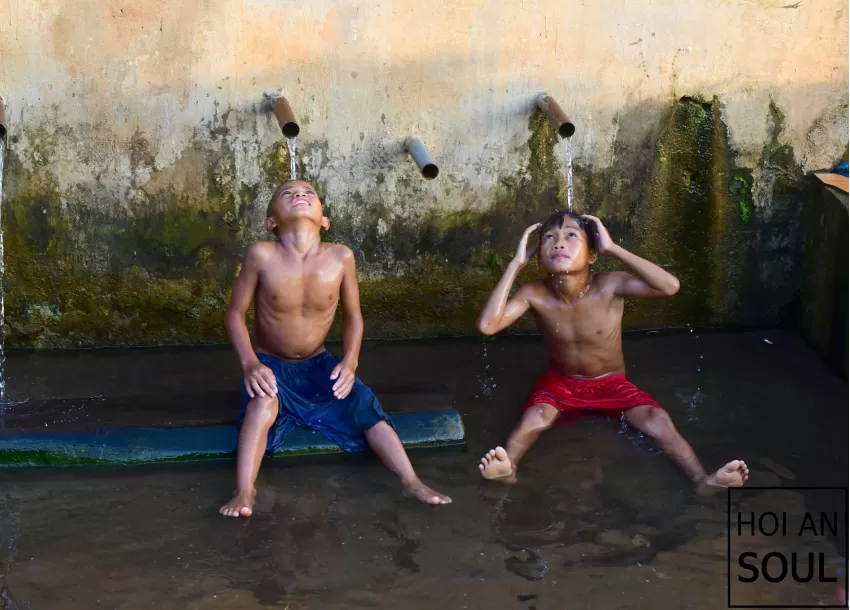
(580, 316)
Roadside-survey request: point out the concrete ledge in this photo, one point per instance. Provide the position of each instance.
(148, 445)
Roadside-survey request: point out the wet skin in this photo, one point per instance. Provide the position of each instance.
(580, 316)
(296, 283)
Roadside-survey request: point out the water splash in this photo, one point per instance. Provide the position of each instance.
(291, 143)
(637, 438)
(692, 400)
(568, 147)
(486, 379)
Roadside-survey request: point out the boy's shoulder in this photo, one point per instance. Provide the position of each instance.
(533, 289)
(338, 250)
(260, 250)
(610, 280)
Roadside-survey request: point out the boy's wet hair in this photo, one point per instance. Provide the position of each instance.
(557, 220)
(270, 207)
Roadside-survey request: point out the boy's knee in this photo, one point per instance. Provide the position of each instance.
(659, 425)
(263, 407)
(536, 418)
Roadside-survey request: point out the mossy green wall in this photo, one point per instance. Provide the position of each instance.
(84, 269)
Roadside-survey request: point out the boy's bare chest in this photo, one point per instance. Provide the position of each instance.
(306, 288)
(582, 322)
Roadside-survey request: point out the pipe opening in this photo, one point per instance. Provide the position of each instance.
(285, 117)
(424, 162)
(556, 116)
(430, 171)
(566, 130)
(2, 117)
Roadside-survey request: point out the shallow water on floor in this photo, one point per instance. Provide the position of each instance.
(599, 518)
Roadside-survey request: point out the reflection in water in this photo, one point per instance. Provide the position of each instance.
(10, 532)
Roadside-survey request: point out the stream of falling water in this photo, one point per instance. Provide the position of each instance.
(2, 276)
(290, 142)
(568, 147)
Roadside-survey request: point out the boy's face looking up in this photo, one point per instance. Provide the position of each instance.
(295, 201)
(566, 244)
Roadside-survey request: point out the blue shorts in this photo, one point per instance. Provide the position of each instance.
(305, 398)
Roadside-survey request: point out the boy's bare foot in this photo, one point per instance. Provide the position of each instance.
(417, 489)
(242, 505)
(733, 474)
(496, 466)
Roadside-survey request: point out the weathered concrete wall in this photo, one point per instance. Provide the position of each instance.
(825, 278)
(141, 158)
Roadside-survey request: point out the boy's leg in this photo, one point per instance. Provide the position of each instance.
(260, 414)
(500, 464)
(656, 423)
(387, 445)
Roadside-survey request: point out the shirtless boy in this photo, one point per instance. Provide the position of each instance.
(296, 282)
(580, 315)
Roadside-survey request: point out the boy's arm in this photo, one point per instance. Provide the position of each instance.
(259, 380)
(500, 312)
(646, 280)
(352, 328)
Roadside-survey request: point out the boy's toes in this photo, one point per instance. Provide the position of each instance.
(425, 494)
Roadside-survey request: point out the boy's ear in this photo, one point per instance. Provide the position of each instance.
(270, 224)
(326, 223)
(593, 256)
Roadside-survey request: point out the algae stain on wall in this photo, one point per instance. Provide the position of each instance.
(678, 224)
(701, 222)
(429, 272)
(155, 268)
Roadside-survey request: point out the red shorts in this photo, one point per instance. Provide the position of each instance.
(609, 395)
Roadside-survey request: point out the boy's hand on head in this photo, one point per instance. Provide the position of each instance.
(260, 380)
(343, 373)
(523, 254)
(604, 243)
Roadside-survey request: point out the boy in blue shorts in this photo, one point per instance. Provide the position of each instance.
(290, 379)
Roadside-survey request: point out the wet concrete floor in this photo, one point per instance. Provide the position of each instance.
(599, 519)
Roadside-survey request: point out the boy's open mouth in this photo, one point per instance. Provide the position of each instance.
(300, 201)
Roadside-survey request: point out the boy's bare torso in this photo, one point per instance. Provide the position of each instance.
(296, 299)
(582, 338)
